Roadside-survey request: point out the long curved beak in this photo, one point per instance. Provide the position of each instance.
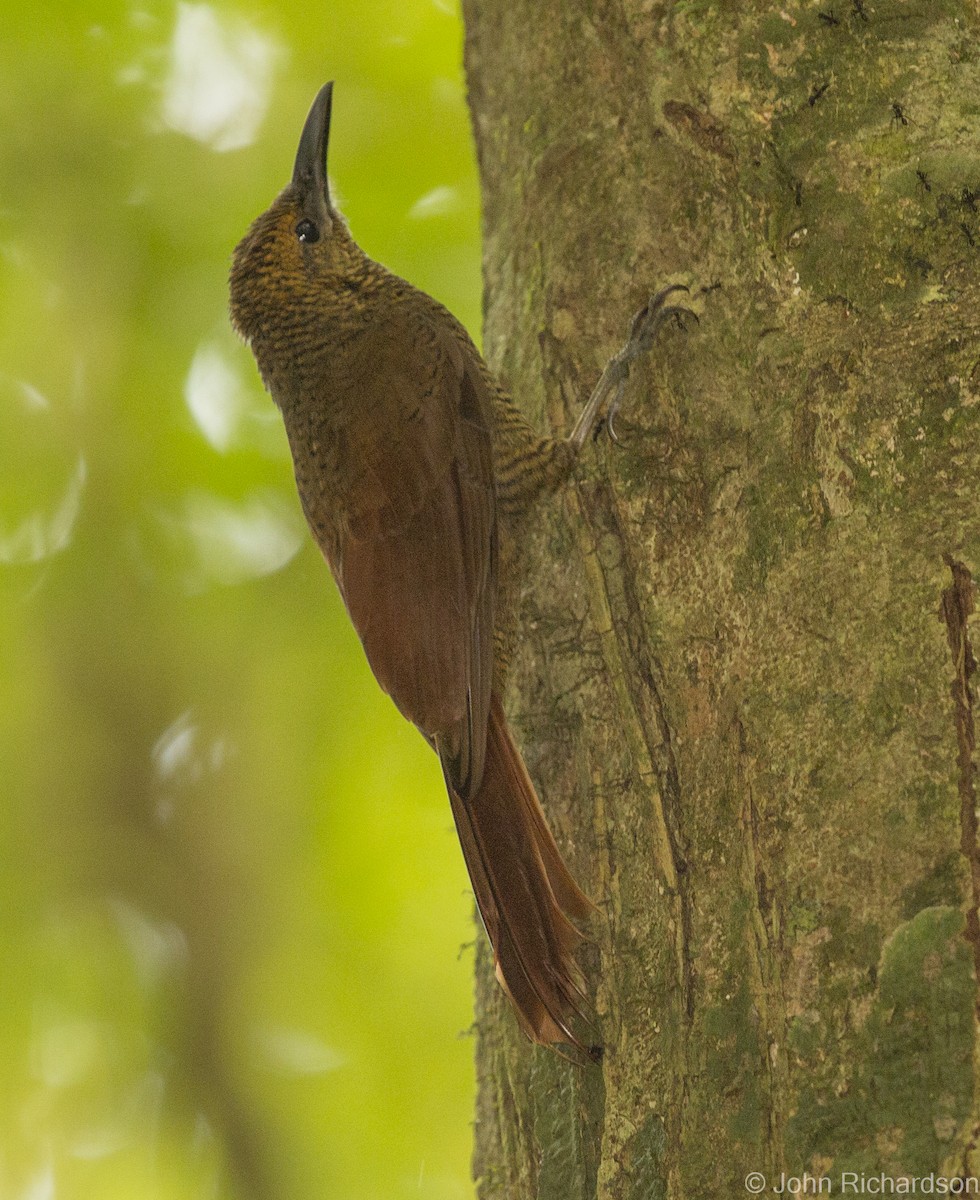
(310, 171)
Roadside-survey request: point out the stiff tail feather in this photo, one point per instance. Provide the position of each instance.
(525, 893)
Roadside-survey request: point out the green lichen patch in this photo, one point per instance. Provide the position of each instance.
(913, 1053)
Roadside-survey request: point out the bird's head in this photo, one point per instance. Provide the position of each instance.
(299, 249)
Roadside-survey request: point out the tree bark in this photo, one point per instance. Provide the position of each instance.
(745, 680)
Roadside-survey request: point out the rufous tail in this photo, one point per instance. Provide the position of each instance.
(525, 893)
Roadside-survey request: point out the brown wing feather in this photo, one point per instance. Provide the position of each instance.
(415, 558)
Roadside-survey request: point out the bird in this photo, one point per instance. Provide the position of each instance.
(414, 470)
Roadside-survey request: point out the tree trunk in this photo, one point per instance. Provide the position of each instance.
(744, 685)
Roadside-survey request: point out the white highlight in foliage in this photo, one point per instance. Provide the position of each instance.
(64, 1049)
(437, 203)
(41, 1186)
(181, 754)
(229, 542)
(45, 533)
(220, 78)
(239, 542)
(296, 1052)
(157, 947)
(215, 396)
(174, 748)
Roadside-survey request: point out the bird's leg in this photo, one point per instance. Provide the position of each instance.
(529, 465)
(608, 392)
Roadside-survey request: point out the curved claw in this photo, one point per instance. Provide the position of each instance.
(658, 298)
(641, 339)
(612, 410)
(652, 307)
(644, 326)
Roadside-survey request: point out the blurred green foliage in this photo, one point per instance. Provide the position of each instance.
(231, 901)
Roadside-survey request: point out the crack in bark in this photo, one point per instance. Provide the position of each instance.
(765, 974)
(957, 605)
(637, 677)
(648, 672)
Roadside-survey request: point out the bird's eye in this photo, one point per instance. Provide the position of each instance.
(306, 231)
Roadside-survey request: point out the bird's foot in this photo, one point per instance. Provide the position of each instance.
(607, 396)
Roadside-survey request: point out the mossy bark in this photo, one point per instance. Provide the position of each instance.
(744, 685)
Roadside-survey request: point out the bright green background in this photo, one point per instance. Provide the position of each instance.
(231, 901)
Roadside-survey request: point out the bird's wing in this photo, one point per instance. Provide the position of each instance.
(416, 557)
